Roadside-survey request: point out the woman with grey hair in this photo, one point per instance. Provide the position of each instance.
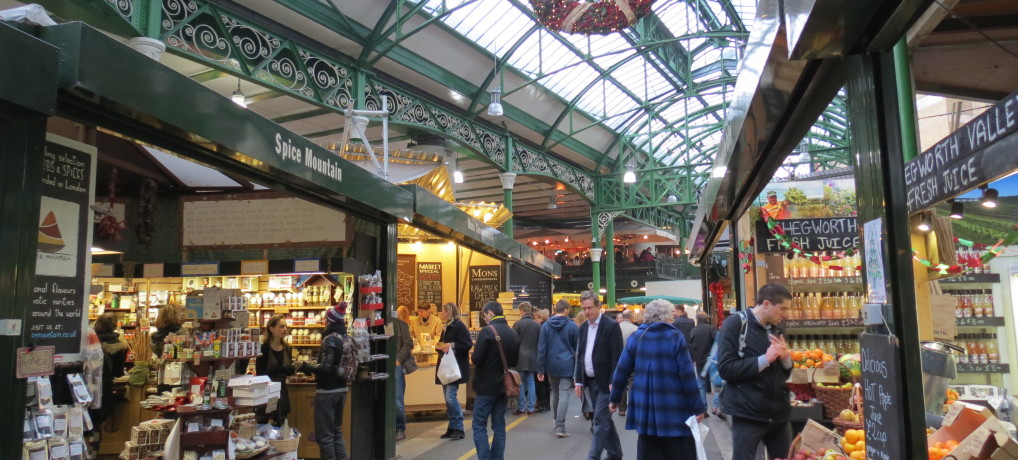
(664, 392)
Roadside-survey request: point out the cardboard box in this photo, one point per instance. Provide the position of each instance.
(961, 420)
(817, 438)
(1007, 451)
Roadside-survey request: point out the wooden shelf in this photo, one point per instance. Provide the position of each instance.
(972, 278)
(823, 323)
(205, 438)
(211, 360)
(119, 310)
(305, 345)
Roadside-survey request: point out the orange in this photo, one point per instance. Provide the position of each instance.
(810, 362)
(851, 437)
(857, 455)
(848, 447)
(860, 445)
(796, 355)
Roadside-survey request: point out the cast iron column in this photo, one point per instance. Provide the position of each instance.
(609, 266)
(879, 168)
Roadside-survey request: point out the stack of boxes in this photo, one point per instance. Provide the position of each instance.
(147, 439)
(252, 390)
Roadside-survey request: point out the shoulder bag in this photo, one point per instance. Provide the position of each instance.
(510, 378)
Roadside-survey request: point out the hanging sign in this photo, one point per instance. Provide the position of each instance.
(965, 159)
(485, 284)
(529, 286)
(816, 234)
(429, 283)
(60, 292)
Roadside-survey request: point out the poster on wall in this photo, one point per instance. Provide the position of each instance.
(808, 199)
(485, 284)
(406, 281)
(429, 283)
(60, 292)
(529, 286)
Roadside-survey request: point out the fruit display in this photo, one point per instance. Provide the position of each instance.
(830, 454)
(854, 443)
(849, 415)
(806, 359)
(941, 449)
(854, 364)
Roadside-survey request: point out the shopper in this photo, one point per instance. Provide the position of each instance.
(683, 321)
(457, 337)
(664, 387)
(275, 362)
(556, 361)
(168, 321)
(405, 364)
(700, 342)
(491, 401)
(331, 386)
(627, 327)
(114, 360)
(529, 333)
(424, 323)
(541, 386)
(597, 354)
(754, 362)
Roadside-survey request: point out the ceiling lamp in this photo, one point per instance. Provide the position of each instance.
(495, 107)
(457, 174)
(551, 203)
(630, 176)
(957, 210)
(924, 222)
(567, 239)
(238, 97)
(989, 199)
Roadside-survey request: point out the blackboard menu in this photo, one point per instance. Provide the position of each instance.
(406, 281)
(56, 315)
(530, 286)
(816, 234)
(485, 284)
(964, 159)
(882, 393)
(429, 283)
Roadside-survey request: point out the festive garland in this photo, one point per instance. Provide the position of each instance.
(591, 18)
(719, 293)
(746, 255)
(984, 259)
(779, 233)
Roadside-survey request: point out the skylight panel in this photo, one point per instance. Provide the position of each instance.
(676, 16)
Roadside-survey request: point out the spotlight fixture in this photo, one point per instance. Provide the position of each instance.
(672, 199)
(495, 107)
(551, 202)
(957, 210)
(630, 176)
(238, 97)
(645, 237)
(457, 173)
(567, 239)
(924, 223)
(989, 199)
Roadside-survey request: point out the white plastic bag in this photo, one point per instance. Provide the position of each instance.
(700, 431)
(449, 369)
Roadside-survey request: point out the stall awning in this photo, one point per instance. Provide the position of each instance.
(645, 299)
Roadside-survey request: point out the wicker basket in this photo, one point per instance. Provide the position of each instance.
(835, 399)
(285, 445)
(251, 453)
(841, 426)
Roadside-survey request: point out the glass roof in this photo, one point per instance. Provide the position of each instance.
(640, 84)
(663, 85)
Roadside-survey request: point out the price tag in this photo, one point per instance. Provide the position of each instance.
(197, 359)
(272, 405)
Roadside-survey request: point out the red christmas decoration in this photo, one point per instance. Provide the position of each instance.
(601, 17)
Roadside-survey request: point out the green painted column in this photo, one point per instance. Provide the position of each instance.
(508, 179)
(595, 262)
(879, 163)
(609, 266)
(385, 427)
(21, 151)
(906, 100)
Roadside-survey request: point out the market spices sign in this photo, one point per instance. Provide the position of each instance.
(816, 234)
(963, 160)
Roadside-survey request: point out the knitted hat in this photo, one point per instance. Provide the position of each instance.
(336, 313)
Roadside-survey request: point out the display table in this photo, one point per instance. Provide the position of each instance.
(423, 394)
(127, 412)
(302, 417)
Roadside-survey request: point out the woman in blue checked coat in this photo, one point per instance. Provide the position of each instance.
(664, 393)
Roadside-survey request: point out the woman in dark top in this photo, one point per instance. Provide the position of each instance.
(457, 335)
(276, 363)
(168, 322)
(114, 360)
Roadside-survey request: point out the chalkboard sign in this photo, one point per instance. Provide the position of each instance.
(530, 286)
(406, 281)
(964, 159)
(56, 314)
(817, 234)
(429, 283)
(882, 394)
(485, 284)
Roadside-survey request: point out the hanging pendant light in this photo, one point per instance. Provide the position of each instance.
(924, 223)
(630, 176)
(957, 210)
(495, 107)
(457, 174)
(551, 203)
(238, 97)
(989, 199)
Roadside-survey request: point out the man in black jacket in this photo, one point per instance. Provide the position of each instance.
(754, 361)
(597, 355)
(700, 341)
(489, 367)
(683, 321)
(330, 386)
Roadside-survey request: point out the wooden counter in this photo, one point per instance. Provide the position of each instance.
(423, 394)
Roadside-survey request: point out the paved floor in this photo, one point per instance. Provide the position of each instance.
(533, 437)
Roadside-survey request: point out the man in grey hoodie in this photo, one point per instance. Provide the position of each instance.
(556, 359)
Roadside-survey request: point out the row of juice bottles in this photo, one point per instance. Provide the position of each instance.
(972, 303)
(979, 348)
(826, 305)
(801, 267)
(835, 345)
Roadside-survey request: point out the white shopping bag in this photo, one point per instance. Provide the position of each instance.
(449, 369)
(700, 431)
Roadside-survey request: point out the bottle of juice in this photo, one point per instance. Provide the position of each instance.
(839, 306)
(971, 348)
(992, 352)
(989, 309)
(981, 349)
(977, 304)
